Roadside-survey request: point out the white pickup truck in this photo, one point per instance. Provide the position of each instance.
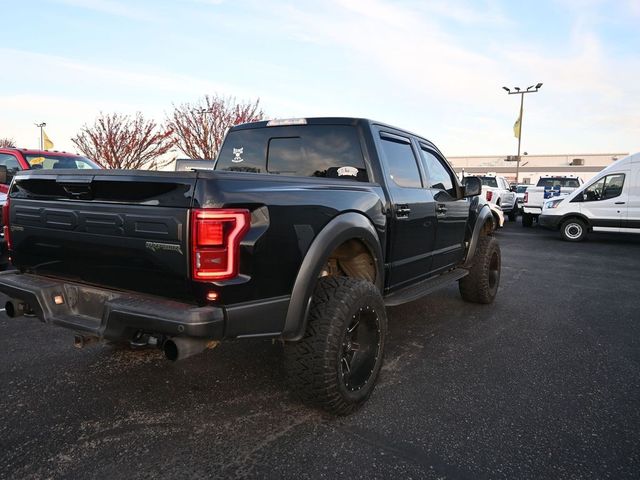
(497, 192)
(548, 186)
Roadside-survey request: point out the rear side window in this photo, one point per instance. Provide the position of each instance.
(331, 151)
(559, 182)
(401, 162)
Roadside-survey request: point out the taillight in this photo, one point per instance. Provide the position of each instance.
(526, 197)
(215, 242)
(489, 195)
(5, 219)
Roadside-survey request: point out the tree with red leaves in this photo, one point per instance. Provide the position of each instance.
(125, 142)
(200, 128)
(7, 142)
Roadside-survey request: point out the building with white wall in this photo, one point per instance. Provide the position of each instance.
(584, 165)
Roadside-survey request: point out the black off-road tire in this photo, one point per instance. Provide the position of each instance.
(527, 220)
(481, 285)
(512, 215)
(574, 230)
(340, 308)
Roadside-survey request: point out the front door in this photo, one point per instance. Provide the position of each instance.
(451, 213)
(604, 202)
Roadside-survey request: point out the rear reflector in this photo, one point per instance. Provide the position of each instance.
(215, 242)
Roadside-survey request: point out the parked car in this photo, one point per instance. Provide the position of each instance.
(497, 191)
(17, 159)
(304, 232)
(548, 186)
(610, 202)
(520, 191)
(13, 160)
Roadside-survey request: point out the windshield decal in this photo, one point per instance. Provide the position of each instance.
(347, 172)
(237, 155)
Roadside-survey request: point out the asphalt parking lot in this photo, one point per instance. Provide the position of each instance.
(545, 383)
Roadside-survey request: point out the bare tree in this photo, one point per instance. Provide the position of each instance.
(7, 142)
(125, 142)
(200, 128)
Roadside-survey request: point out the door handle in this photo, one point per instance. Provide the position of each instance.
(441, 209)
(619, 203)
(402, 211)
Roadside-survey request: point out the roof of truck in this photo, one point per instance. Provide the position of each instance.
(327, 121)
(33, 151)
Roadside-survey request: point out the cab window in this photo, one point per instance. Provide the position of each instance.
(438, 175)
(605, 188)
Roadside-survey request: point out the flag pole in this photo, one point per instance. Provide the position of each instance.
(519, 91)
(519, 139)
(41, 126)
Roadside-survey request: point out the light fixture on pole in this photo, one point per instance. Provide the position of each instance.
(518, 124)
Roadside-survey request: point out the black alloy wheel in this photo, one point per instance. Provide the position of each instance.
(360, 349)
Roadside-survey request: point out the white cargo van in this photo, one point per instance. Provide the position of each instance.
(609, 202)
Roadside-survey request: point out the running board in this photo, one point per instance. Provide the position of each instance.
(425, 287)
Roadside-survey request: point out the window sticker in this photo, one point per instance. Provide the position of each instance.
(347, 172)
(237, 155)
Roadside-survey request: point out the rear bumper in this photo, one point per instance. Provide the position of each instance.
(550, 221)
(532, 210)
(109, 314)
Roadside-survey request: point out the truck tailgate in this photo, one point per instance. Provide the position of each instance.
(123, 230)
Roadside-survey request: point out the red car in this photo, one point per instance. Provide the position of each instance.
(15, 159)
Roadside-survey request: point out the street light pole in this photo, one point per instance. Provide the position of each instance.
(41, 126)
(518, 91)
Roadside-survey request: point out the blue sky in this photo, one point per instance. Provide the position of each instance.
(434, 67)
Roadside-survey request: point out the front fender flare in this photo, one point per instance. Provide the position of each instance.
(484, 215)
(344, 227)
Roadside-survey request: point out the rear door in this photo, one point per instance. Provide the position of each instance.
(413, 214)
(451, 212)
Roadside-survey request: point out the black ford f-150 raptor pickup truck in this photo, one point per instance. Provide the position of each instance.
(304, 231)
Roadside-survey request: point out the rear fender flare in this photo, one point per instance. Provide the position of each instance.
(344, 227)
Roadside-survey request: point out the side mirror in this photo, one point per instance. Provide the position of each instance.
(513, 189)
(3, 175)
(472, 186)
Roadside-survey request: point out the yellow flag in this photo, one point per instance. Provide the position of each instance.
(46, 141)
(516, 128)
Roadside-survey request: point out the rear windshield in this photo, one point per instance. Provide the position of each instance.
(521, 188)
(489, 181)
(47, 162)
(558, 182)
(331, 151)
